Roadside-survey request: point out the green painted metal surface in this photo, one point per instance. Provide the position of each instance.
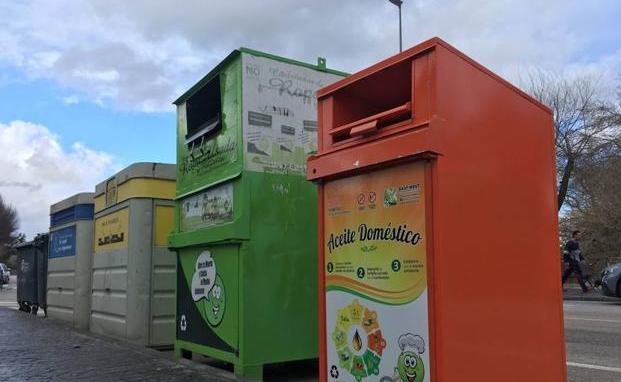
(246, 218)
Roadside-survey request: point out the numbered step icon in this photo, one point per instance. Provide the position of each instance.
(395, 265)
(360, 272)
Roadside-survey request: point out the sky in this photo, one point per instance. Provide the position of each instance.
(86, 86)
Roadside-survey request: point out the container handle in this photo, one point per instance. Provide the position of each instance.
(364, 129)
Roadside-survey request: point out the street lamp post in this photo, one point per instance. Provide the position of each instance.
(398, 4)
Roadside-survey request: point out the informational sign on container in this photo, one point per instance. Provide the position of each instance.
(206, 307)
(280, 114)
(206, 208)
(376, 276)
(111, 231)
(62, 242)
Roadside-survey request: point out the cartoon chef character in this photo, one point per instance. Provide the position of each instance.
(410, 367)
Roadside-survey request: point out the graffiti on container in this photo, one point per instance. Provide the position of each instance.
(207, 155)
(287, 88)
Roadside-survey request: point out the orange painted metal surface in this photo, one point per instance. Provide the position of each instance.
(494, 294)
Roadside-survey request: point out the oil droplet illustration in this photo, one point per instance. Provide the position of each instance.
(357, 341)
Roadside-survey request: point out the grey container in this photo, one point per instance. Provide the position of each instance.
(70, 260)
(134, 273)
(32, 274)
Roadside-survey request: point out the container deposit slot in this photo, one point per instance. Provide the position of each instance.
(380, 100)
(203, 110)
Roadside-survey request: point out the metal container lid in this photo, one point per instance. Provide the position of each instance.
(80, 198)
(165, 171)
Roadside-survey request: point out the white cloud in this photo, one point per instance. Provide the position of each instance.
(141, 54)
(71, 100)
(37, 171)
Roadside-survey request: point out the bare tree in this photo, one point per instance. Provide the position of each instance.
(597, 184)
(8, 223)
(582, 119)
(594, 198)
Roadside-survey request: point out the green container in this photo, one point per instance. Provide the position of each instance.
(245, 217)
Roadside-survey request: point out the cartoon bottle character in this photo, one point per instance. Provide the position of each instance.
(376, 342)
(369, 320)
(358, 370)
(342, 319)
(216, 303)
(339, 337)
(410, 367)
(355, 311)
(372, 361)
(345, 358)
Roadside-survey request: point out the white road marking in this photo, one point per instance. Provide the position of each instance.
(593, 319)
(594, 367)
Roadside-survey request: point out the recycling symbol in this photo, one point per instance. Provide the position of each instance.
(183, 325)
(334, 372)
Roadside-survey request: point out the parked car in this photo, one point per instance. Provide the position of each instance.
(611, 280)
(5, 274)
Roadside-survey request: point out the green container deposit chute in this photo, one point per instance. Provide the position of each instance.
(245, 221)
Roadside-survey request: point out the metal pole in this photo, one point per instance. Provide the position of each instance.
(400, 38)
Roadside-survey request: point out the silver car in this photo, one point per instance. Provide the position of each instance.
(611, 280)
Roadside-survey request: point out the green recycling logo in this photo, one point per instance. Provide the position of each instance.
(207, 285)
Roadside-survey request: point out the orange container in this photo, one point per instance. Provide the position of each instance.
(437, 225)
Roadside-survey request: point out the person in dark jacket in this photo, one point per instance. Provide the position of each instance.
(573, 257)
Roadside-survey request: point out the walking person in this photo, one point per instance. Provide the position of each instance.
(573, 257)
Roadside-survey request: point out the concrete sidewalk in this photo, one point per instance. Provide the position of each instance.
(37, 349)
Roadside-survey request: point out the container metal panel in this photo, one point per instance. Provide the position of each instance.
(163, 285)
(109, 293)
(70, 259)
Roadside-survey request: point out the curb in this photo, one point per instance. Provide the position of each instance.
(599, 298)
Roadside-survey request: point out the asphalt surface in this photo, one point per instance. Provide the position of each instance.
(55, 352)
(593, 340)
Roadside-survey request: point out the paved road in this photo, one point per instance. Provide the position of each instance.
(593, 340)
(8, 296)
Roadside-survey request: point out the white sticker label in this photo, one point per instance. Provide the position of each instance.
(280, 114)
(204, 276)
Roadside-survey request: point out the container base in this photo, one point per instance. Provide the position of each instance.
(247, 372)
